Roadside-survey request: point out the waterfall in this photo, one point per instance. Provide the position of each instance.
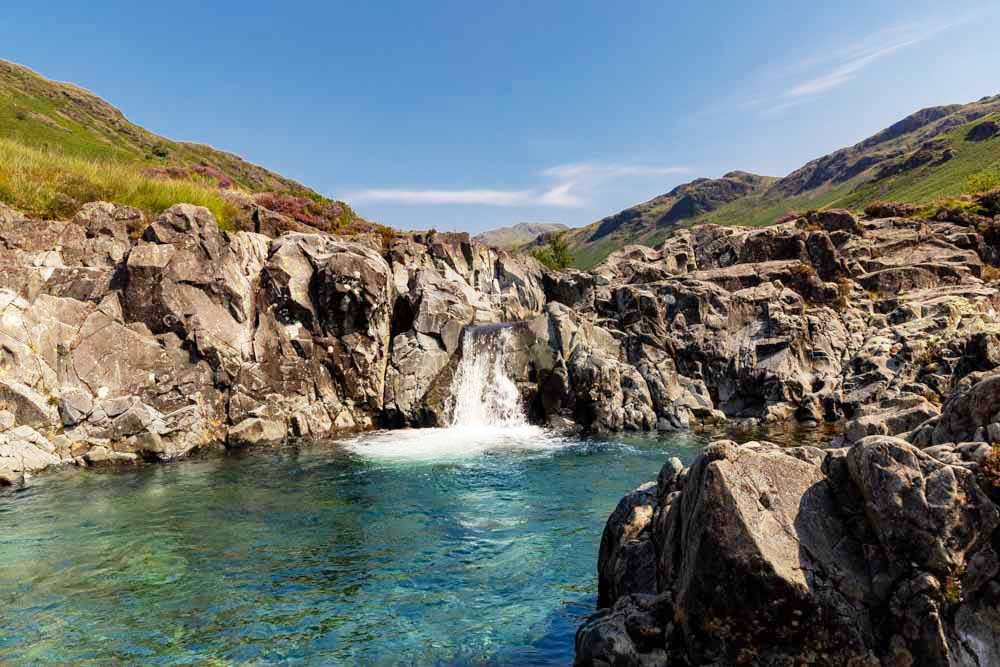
(486, 413)
(482, 393)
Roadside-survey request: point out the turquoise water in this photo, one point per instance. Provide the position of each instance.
(403, 548)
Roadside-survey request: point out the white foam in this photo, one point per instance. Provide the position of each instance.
(455, 442)
(482, 392)
(487, 414)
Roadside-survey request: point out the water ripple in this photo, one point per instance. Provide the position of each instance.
(419, 547)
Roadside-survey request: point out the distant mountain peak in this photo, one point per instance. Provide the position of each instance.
(515, 236)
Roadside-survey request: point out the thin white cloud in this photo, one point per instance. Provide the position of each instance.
(569, 180)
(845, 72)
(561, 196)
(783, 106)
(817, 74)
(434, 197)
(590, 170)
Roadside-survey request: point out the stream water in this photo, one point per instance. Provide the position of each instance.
(473, 544)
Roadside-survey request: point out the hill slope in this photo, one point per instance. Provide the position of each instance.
(69, 146)
(930, 154)
(515, 236)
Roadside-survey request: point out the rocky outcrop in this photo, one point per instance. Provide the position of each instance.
(880, 550)
(826, 317)
(113, 350)
(875, 554)
(161, 345)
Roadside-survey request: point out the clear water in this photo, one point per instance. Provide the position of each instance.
(474, 546)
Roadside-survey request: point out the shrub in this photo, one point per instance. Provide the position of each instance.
(990, 273)
(323, 214)
(951, 588)
(160, 149)
(386, 234)
(989, 202)
(890, 209)
(555, 253)
(983, 181)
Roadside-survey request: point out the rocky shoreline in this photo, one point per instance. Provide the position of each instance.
(878, 549)
(124, 342)
(874, 554)
(122, 349)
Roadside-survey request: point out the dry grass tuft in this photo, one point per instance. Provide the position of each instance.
(47, 183)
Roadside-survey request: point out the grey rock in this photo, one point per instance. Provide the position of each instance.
(627, 556)
(867, 555)
(922, 510)
(28, 406)
(106, 219)
(23, 449)
(101, 455)
(255, 432)
(75, 405)
(9, 478)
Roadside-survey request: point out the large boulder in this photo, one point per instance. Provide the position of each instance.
(186, 277)
(27, 405)
(256, 431)
(24, 450)
(627, 559)
(877, 554)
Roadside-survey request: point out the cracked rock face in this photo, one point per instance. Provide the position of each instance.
(880, 550)
(879, 322)
(756, 554)
(115, 351)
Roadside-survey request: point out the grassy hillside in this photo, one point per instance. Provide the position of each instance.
(50, 183)
(932, 154)
(61, 146)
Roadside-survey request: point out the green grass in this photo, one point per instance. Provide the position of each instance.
(39, 123)
(63, 146)
(48, 183)
(975, 167)
(44, 114)
(927, 183)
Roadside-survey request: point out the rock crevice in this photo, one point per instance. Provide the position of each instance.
(880, 322)
(874, 554)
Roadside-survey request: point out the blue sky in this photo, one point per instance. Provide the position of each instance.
(471, 115)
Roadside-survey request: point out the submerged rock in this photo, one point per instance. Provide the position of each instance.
(256, 431)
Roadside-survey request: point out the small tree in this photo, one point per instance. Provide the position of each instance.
(555, 253)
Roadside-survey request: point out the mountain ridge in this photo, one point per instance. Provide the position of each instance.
(926, 155)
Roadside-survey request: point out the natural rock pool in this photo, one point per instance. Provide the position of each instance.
(462, 545)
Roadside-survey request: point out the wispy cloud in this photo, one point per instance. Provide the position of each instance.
(814, 75)
(603, 171)
(435, 197)
(843, 73)
(567, 187)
